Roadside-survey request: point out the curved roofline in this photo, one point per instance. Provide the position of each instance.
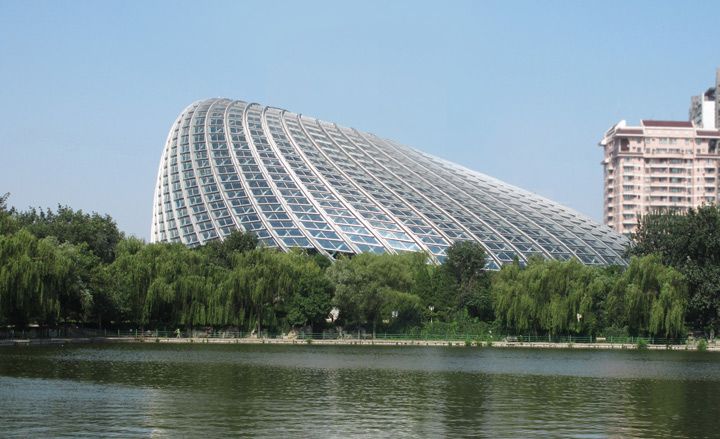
(309, 182)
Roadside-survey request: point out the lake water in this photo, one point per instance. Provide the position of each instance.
(150, 390)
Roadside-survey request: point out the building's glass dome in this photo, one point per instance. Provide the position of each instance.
(295, 181)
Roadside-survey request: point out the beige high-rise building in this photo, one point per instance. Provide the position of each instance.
(658, 165)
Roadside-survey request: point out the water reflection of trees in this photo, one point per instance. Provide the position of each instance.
(682, 408)
(276, 391)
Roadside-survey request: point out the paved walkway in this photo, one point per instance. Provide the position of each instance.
(347, 342)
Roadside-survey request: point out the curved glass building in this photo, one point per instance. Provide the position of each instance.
(296, 181)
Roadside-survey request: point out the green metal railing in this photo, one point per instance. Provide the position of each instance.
(503, 338)
(355, 335)
(410, 337)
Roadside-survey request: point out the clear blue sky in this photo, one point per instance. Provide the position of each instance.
(521, 91)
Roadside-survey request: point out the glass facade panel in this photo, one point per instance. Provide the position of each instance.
(295, 181)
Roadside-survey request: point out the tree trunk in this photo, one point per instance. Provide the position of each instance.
(258, 323)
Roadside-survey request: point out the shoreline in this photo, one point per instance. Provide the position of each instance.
(350, 342)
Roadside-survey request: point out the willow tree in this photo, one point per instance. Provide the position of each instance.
(180, 288)
(667, 316)
(259, 282)
(554, 297)
(636, 289)
(654, 297)
(82, 283)
(690, 243)
(32, 276)
(232, 304)
(575, 292)
(310, 300)
(131, 275)
(367, 283)
(512, 306)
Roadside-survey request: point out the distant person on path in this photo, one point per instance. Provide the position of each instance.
(177, 333)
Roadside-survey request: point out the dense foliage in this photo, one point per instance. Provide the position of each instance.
(66, 266)
(552, 297)
(691, 244)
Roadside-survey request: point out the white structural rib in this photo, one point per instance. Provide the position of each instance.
(169, 210)
(298, 181)
(241, 174)
(412, 156)
(458, 205)
(164, 172)
(350, 206)
(211, 163)
(397, 196)
(453, 178)
(535, 200)
(301, 187)
(183, 184)
(367, 194)
(450, 200)
(318, 175)
(158, 196)
(271, 182)
(537, 244)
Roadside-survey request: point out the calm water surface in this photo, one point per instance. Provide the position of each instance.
(148, 390)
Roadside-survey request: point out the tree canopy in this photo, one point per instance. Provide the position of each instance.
(68, 266)
(690, 243)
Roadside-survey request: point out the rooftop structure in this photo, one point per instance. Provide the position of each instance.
(702, 109)
(705, 108)
(296, 181)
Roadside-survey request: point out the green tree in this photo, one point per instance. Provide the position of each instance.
(260, 282)
(654, 297)
(367, 284)
(465, 265)
(222, 252)
(311, 298)
(691, 244)
(555, 297)
(180, 288)
(33, 275)
(81, 283)
(130, 275)
(8, 224)
(99, 232)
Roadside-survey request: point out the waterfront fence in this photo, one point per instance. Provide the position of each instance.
(475, 338)
(346, 335)
(402, 337)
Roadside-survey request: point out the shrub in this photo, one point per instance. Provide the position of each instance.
(702, 345)
(614, 332)
(642, 344)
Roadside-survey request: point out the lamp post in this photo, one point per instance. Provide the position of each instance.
(579, 317)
